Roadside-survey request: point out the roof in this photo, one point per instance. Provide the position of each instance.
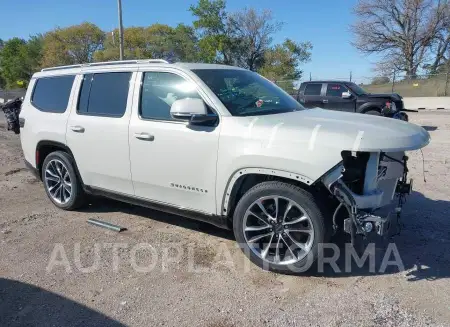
(327, 81)
(192, 66)
(132, 64)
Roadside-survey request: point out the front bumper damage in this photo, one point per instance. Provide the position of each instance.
(377, 206)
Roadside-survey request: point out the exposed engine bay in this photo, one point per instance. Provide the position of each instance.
(371, 188)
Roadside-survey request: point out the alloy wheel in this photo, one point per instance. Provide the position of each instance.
(278, 230)
(57, 181)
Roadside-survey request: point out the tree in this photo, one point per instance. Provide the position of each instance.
(216, 42)
(72, 45)
(19, 60)
(441, 46)
(402, 30)
(254, 33)
(282, 61)
(380, 80)
(157, 41)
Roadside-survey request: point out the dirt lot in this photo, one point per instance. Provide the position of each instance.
(199, 277)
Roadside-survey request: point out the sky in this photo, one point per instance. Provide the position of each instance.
(325, 23)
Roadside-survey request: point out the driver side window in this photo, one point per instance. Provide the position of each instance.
(336, 90)
(160, 90)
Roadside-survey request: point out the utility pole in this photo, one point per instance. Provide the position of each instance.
(119, 8)
(350, 76)
(393, 81)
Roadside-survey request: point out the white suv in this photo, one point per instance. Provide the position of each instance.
(219, 144)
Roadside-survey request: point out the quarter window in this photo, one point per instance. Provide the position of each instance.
(335, 90)
(104, 94)
(313, 89)
(160, 90)
(51, 94)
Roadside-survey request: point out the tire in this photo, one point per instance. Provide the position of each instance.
(291, 258)
(373, 112)
(59, 166)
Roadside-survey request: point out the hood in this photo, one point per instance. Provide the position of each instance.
(347, 131)
(310, 142)
(393, 96)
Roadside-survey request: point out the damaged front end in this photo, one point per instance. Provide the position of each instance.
(371, 188)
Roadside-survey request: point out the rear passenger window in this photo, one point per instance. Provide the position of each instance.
(104, 94)
(51, 94)
(160, 90)
(313, 89)
(335, 90)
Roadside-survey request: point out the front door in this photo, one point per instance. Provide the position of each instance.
(97, 130)
(171, 162)
(334, 101)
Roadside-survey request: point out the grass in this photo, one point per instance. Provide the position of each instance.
(421, 87)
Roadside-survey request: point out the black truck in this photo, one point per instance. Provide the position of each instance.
(349, 97)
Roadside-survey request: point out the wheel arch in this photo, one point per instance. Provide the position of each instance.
(45, 147)
(245, 178)
(368, 107)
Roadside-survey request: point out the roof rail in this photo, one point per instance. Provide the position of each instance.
(61, 67)
(109, 63)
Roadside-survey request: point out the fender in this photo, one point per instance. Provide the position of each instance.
(58, 145)
(262, 171)
(369, 106)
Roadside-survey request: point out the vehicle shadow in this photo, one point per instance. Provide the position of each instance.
(429, 128)
(99, 204)
(23, 304)
(423, 245)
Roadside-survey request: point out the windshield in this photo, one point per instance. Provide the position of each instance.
(246, 93)
(357, 89)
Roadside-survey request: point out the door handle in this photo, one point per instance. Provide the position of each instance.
(78, 129)
(144, 136)
(325, 101)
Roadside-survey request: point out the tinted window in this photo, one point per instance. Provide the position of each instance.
(336, 90)
(52, 94)
(302, 88)
(246, 93)
(160, 90)
(104, 94)
(313, 89)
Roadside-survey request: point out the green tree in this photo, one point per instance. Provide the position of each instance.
(216, 42)
(157, 41)
(72, 45)
(282, 61)
(19, 59)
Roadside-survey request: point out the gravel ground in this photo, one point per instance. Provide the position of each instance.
(57, 270)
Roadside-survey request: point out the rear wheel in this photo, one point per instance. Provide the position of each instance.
(279, 227)
(61, 182)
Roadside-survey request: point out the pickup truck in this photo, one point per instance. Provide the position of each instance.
(349, 97)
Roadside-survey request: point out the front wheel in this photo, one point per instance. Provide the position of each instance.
(279, 227)
(373, 113)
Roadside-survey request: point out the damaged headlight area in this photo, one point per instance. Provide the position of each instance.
(370, 188)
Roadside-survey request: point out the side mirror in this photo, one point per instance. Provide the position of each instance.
(346, 95)
(192, 110)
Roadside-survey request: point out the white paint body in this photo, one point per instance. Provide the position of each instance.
(192, 167)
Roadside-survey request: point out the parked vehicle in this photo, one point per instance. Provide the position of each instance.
(218, 144)
(11, 110)
(349, 97)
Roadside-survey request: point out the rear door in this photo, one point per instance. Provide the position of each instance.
(333, 98)
(312, 96)
(97, 130)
